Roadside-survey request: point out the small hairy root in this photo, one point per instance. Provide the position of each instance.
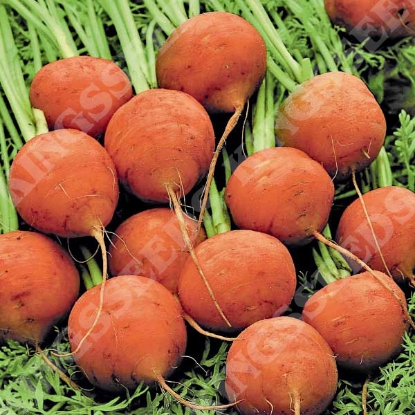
(60, 373)
(189, 245)
(162, 382)
(192, 323)
(364, 396)
(359, 193)
(228, 129)
(98, 234)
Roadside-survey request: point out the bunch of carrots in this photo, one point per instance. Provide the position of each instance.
(112, 150)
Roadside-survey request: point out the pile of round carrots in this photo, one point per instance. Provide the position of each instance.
(162, 274)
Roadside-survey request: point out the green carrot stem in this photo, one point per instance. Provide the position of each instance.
(226, 165)
(330, 262)
(55, 29)
(327, 259)
(208, 224)
(384, 170)
(151, 54)
(288, 83)
(321, 64)
(255, 13)
(120, 14)
(86, 278)
(86, 39)
(8, 216)
(270, 111)
(249, 139)
(194, 8)
(337, 257)
(318, 43)
(174, 10)
(259, 114)
(162, 20)
(322, 267)
(50, 52)
(12, 79)
(40, 121)
(11, 128)
(94, 270)
(220, 215)
(10, 54)
(137, 49)
(23, 119)
(306, 69)
(97, 31)
(216, 5)
(35, 47)
(60, 29)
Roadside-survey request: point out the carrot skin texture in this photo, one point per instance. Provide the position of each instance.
(360, 319)
(373, 18)
(160, 138)
(392, 214)
(40, 283)
(276, 191)
(217, 57)
(80, 92)
(150, 244)
(278, 361)
(63, 182)
(140, 334)
(336, 120)
(251, 273)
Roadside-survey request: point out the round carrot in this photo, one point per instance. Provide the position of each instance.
(252, 275)
(283, 192)
(379, 20)
(217, 57)
(384, 238)
(281, 366)
(80, 92)
(140, 333)
(160, 139)
(360, 319)
(150, 243)
(40, 283)
(336, 120)
(63, 182)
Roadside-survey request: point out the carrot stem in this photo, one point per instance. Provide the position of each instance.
(120, 14)
(8, 215)
(12, 79)
(194, 8)
(37, 14)
(254, 11)
(86, 278)
(162, 20)
(94, 271)
(175, 11)
(220, 216)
